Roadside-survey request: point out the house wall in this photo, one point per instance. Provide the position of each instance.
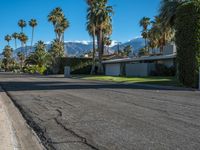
(139, 69)
(113, 69)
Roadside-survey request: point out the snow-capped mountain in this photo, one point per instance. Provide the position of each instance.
(78, 48)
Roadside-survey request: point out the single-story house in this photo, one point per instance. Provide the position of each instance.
(140, 66)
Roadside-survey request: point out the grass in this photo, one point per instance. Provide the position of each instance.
(165, 81)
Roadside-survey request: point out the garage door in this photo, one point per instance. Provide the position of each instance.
(112, 69)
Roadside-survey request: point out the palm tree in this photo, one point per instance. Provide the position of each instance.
(7, 60)
(40, 56)
(8, 38)
(21, 59)
(145, 22)
(22, 24)
(101, 13)
(15, 36)
(167, 12)
(23, 38)
(160, 34)
(91, 28)
(60, 24)
(33, 24)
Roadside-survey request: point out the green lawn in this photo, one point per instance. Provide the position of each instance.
(166, 81)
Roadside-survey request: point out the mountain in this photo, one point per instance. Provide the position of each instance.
(136, 45)
(78, 48)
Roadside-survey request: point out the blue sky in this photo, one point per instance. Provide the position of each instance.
(125, 21)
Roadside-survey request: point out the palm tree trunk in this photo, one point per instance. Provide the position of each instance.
(93, 55)
(100, 67)
(32, 38)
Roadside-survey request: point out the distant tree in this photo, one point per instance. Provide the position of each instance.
(23, 38)
(22, 24)
(40, 57)
(15, 37)
(7, 60)
(8, 38)
(60, 24)
(21, 58)
(144, 23)
(32, 23)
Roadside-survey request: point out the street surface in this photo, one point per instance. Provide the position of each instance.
(73, 114)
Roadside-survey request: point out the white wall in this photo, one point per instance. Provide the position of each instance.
(112, 69)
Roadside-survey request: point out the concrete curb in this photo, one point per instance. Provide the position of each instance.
(26, 138)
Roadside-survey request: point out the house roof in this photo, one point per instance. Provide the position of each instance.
(143, 58)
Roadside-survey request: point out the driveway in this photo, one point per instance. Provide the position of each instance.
(73, 114)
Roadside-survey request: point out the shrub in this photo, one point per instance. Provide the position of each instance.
(187, 27)
(162, 70)
(35, 69)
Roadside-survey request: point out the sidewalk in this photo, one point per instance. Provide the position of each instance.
(15, 134)
(8, 140)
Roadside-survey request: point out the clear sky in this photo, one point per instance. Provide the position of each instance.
(125, 21)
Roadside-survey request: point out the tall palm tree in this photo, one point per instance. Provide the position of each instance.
(102, 15)
(167, 12)
(15, 37)
(22, 24)
(145, 22)
(91, 28)
(8, 38)
(32, 23)
(23, 38)
(60, 24)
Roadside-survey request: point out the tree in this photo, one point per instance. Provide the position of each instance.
(32, 23)
(8, 38)
(23, 38)
(15, 37)
(60, 24)
(22, 24)
(167, 12)
(21, 58)
(40, 57)
(187, 25)
(7, 60)
(101, 13)
(145, 22)
(159, 35)
(127, 50)
(91, 28)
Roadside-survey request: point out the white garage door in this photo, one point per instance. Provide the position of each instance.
(112, 69)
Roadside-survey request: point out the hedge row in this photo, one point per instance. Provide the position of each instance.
(188, 42)
(77, 65)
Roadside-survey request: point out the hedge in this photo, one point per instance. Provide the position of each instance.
(77, 65)
(187, 26)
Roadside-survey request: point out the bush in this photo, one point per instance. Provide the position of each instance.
(162, 70)
(187, 26)
(35, 69)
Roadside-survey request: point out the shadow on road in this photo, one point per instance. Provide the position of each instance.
(58, 85)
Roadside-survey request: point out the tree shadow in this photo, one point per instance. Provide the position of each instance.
(75, 85)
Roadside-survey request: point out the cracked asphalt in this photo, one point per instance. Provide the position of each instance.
(73, 114)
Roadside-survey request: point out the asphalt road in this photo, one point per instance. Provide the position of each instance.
(73, 114)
